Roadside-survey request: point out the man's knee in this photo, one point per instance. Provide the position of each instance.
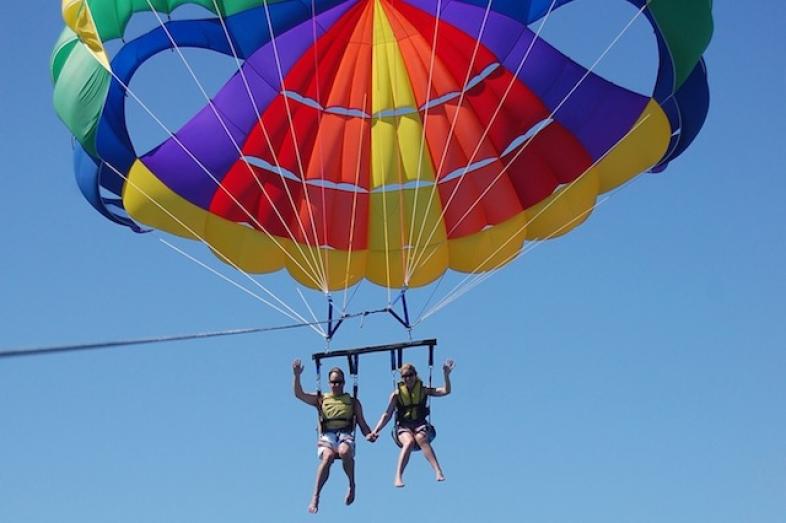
(328, 455)
(345, 452)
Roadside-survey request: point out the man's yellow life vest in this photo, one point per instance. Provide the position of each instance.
(411, 404)
(337, 411)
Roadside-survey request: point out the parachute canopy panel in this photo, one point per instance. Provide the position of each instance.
(382, 139)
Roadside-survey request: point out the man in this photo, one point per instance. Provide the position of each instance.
(338, 415)
(412, 427)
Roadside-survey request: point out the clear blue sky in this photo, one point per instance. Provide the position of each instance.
(633, 371)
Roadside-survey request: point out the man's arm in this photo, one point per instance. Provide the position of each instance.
(305, 397)
(447, 368)
(387, 415)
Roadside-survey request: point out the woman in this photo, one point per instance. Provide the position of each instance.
(412, 427)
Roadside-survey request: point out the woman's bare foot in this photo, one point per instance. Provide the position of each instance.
(440, 476)
(350, 495)
(398, 482)
(313, 507)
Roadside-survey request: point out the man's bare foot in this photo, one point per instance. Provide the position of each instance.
(440, 476)
(398, 483)
(314, 505)
(350, 495)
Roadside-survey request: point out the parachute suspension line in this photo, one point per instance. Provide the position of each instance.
(411, 267)
(475, 280)
(354, 211)
(191, 155)
(383, 176)
(293, 135)
(420, 261)
(550, 116)
(400, 174)
(482, 277)
(291, 314)
(203, 240)
(319, 133)
(421, 147)
(430, 297)
(310, 310)
(237, 147)
(273, 154)
(347, 298)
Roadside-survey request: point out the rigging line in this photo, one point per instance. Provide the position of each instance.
(293, 136)
(557, 196)
(381, 162)
(422, 144)
(272, 151)
(553, 112)
(362, 128)
(401, 173)
(531, 138)
(431, 296)
(575, 218)
(39, 351)
(191, 155)
(203, 240)
(464, 287)
(310, 310)
(354, 293)
(296, 316)
(207, 171)
(220, 118)
(452, 129)
(486, 130)
(319, 135)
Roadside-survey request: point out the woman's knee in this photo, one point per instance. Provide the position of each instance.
(422, 439)
(406, 440)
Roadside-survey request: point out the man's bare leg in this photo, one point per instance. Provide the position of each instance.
(407, 444)
(428, 453)
(348, 461)
(323, 472)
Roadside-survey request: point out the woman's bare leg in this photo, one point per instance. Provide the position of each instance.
(407, 444)
(428, 453)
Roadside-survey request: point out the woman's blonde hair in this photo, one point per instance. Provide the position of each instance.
(407, 367)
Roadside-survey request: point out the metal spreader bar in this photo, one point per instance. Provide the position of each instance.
(396, 351)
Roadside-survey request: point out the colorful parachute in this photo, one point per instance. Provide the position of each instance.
(380, 139)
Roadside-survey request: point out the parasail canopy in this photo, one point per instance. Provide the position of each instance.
(389, 140)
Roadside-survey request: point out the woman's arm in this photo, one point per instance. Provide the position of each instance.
(387, 415)
(447, 368)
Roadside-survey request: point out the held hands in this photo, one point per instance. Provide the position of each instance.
(447, 367)
(297, 367)
(372, 437)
